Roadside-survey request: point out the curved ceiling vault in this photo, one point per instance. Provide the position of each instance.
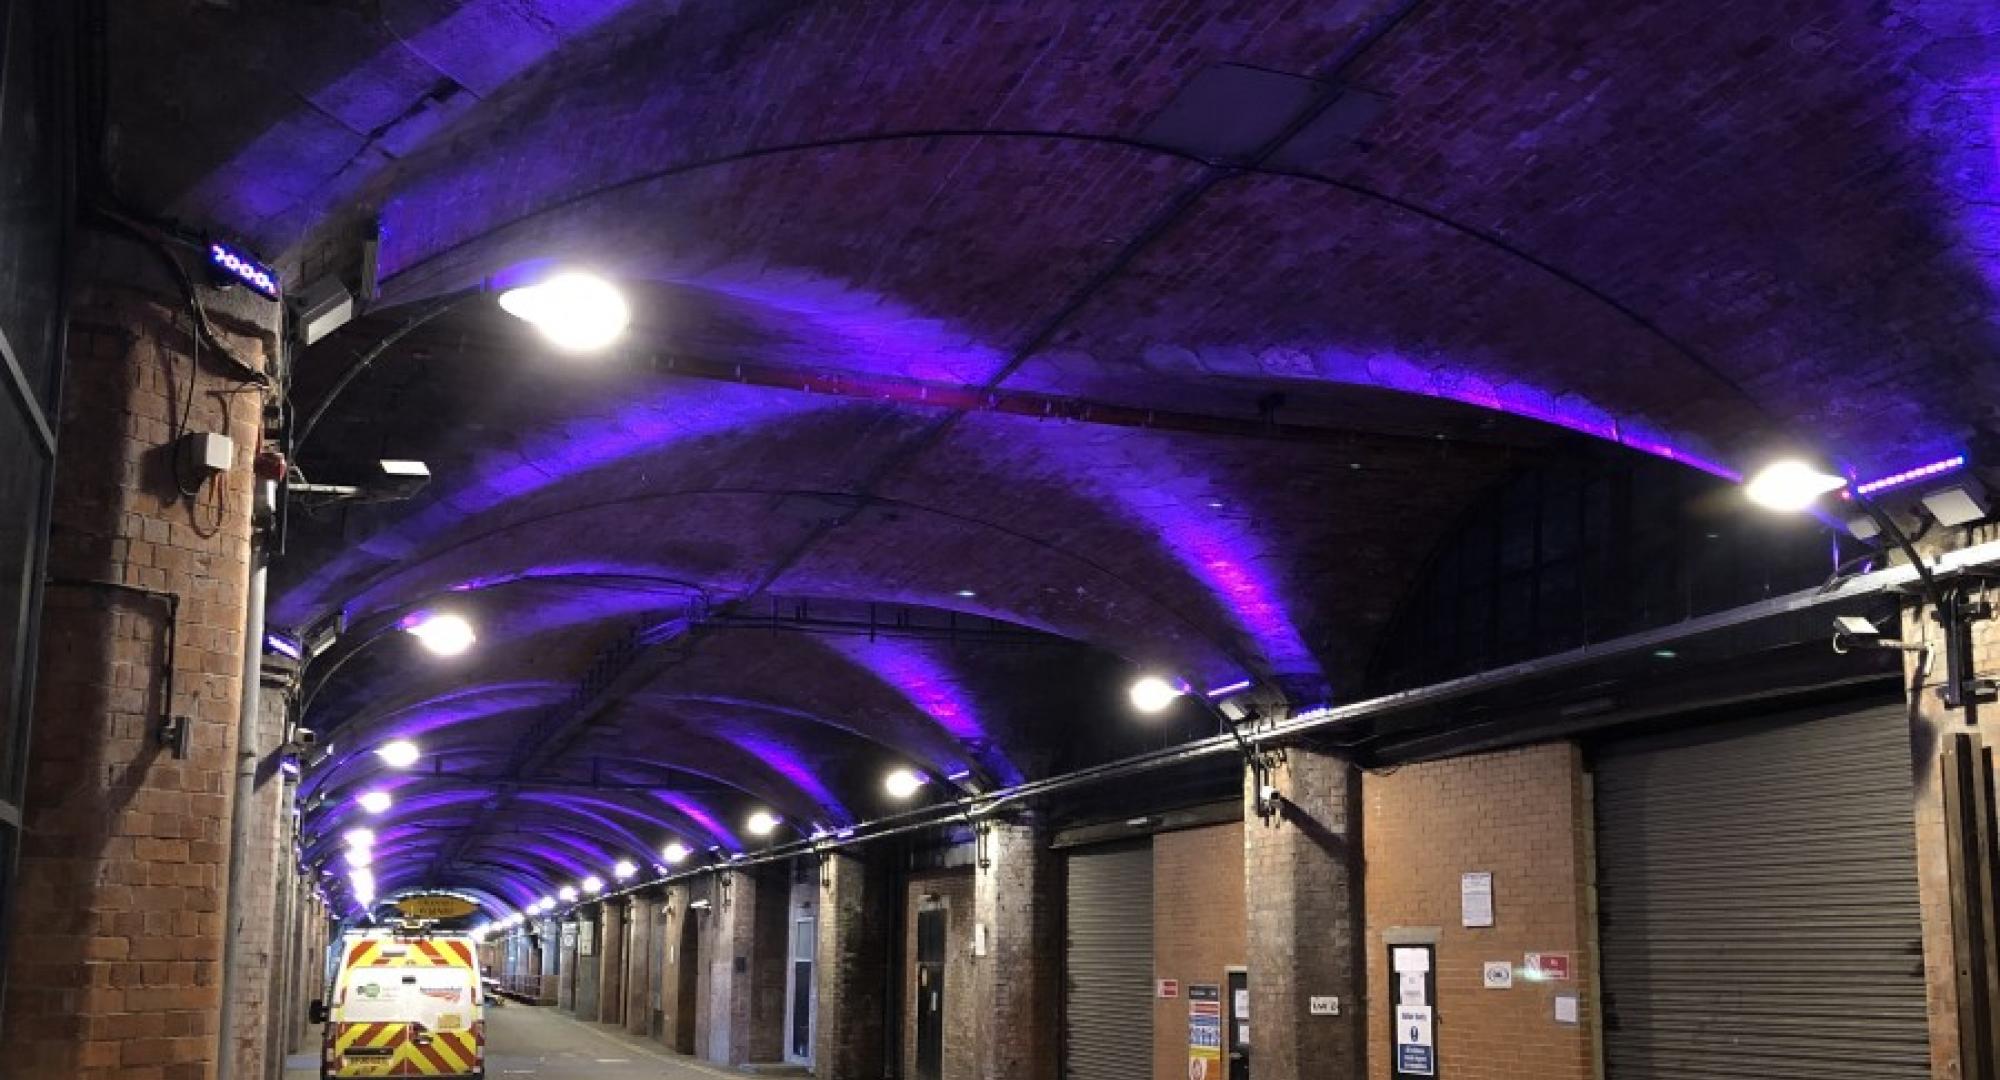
(701, 590)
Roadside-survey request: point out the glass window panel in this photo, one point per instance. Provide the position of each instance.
(31, 211)
(20, 543)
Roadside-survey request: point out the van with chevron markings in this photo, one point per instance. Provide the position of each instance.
(404, 1004)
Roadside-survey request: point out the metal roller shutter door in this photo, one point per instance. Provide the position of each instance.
(1108, 964)
(1758, 902)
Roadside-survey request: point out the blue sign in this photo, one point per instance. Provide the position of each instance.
(1415, 1060)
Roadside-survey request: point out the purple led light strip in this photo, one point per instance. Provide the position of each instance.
(1907, 476)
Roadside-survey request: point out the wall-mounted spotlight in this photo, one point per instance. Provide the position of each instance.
(575, 311)
(376, 802)
(593, 884)
(675, 853)
(902, 783)
(762, 823)
(398, 754)
(568, 894)
(359, 836)
(1791, 485)
(1153, 694)
(624, 869)
(442, 633)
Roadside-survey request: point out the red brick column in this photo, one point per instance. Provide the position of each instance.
(1302, 879)
(115, 967)
(1017, 898)
(851, 967)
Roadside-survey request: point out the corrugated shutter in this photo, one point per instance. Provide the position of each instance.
(1758, 902)
(1108, 964)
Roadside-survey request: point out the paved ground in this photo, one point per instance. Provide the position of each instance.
(542, 1044)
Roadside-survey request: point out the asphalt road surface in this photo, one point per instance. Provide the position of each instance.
(531, 1043)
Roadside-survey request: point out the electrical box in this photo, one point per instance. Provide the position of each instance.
(208, 451)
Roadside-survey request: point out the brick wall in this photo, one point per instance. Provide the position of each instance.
(1199, 929)
(1521, 815)
(953, 888)
(117, 940)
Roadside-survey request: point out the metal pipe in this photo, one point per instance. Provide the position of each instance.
(237, 905)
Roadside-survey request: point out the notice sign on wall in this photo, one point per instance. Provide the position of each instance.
(1548, 967)
(1204, 1031)
(1475, 899)
(1416, 1054)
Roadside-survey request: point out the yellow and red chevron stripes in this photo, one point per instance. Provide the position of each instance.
(417, 952)
(444, 1053)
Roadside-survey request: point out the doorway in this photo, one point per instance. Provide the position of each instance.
(930, 991)
(799, 970)
(1236, 1012)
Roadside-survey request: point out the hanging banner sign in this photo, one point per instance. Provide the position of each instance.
(435, 907)
(1416, 1054)
(1204, 1031)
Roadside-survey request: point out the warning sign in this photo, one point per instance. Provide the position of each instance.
(1416, 1055)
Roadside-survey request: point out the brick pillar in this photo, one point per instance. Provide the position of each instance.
(1017, 896)
(611, 964)
(268, 871)
(851, 967)
(728, 946)
(641, 958)
(549, 935)
(681, 1015)
(117, 939)
(1302, 876)
(1931, 729)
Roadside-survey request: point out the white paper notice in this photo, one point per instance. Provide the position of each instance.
(1412, 959)
(1566, 1009)
(1475, 899)
(1412, 992)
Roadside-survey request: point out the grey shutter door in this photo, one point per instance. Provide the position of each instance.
(1758, 902)
(1108, 964)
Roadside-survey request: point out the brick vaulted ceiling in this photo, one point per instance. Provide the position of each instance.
(1396, 247)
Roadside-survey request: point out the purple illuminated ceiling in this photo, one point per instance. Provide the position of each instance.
(1691, 230)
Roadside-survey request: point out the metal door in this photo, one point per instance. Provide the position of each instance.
(1237, 1032)
(930, 993)
(1108, 964)
(1758, 901)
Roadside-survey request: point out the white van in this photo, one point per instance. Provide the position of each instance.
(404, 1005)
